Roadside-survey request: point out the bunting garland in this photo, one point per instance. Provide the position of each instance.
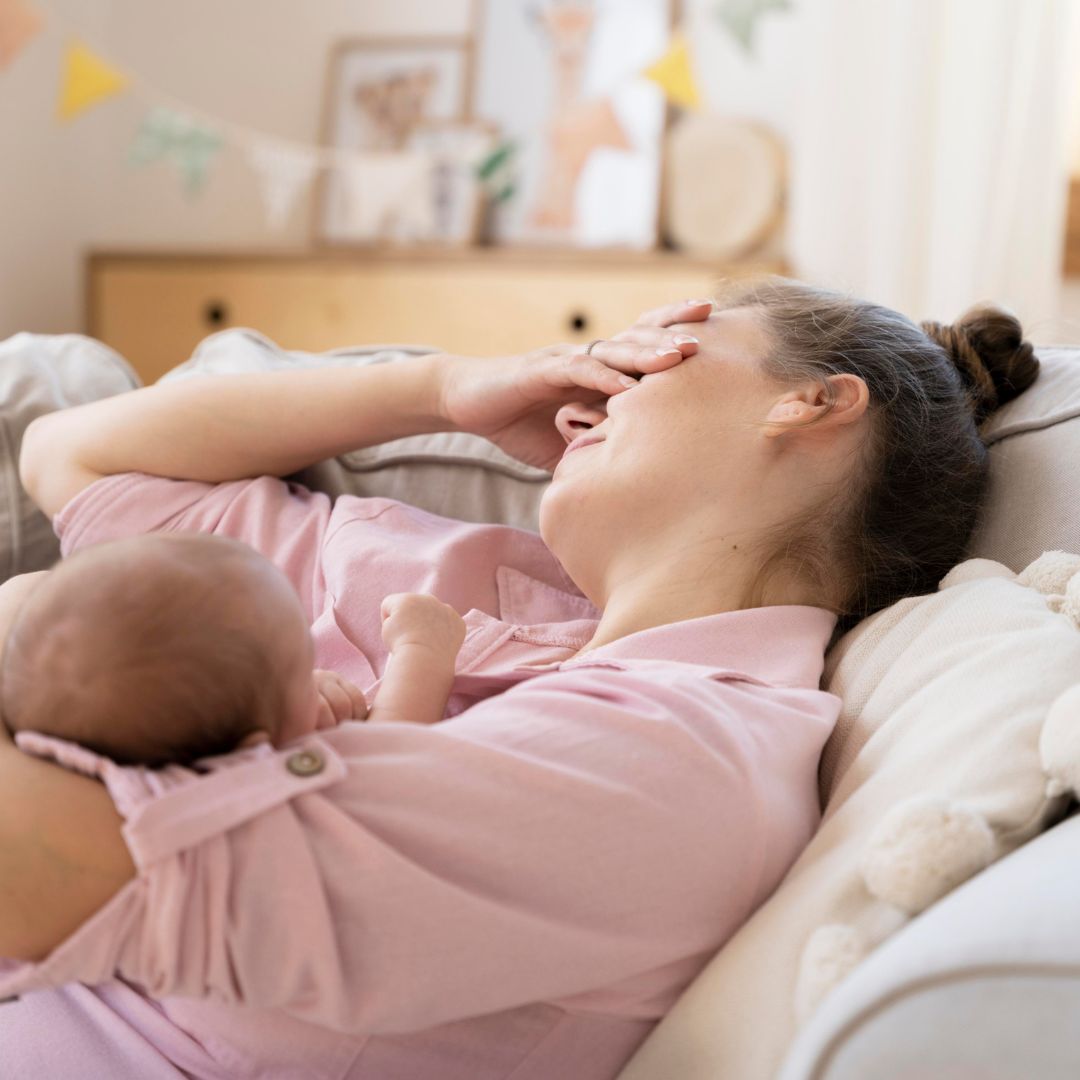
(175, 134)
(18, 25)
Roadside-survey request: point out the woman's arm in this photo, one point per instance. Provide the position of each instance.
(227, 427)
(62, 856)
(551, 841)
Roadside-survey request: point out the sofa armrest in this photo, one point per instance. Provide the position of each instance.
(985, 983)
(40, 373)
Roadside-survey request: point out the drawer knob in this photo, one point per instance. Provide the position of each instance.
(216, 313)
(578, 322)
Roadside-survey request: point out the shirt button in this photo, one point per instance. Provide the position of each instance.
(304, 763)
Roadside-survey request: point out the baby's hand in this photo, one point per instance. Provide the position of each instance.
(338, 700)
(422, 619)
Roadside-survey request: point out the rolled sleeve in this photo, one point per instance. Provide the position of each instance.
(284, 522)
(580, 830)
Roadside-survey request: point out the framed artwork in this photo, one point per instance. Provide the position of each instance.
(563, 81)
(381, 96)
(455, 149)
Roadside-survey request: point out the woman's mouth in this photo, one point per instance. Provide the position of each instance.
(583, 440)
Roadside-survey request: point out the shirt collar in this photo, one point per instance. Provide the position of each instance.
(783, 645)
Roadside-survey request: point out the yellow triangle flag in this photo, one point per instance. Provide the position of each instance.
(674, 74)
(87, 81)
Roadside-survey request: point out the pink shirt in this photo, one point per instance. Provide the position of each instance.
(522, 889)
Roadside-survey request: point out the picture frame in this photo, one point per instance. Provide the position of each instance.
(589, 135)
(456, 149)
(378, 91)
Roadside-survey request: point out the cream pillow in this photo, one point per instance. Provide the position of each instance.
(932, 773)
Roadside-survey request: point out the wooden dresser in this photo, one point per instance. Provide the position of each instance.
(154, 308)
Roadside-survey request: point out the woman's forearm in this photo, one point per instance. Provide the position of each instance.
(226, 427)
(62, 856)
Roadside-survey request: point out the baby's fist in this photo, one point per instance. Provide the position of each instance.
(422, 619)
(338, 700)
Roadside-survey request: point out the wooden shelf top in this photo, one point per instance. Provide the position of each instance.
(536, 256)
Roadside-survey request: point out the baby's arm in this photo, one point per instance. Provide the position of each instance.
(424, 636)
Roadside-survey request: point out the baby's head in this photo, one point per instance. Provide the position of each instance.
(160, 648)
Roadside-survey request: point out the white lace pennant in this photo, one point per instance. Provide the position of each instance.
(285, 173)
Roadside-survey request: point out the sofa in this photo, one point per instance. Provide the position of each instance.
(928, 929)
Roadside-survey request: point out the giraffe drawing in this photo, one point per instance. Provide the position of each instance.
(577, 127)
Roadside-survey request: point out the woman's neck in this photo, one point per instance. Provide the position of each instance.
(645, 600)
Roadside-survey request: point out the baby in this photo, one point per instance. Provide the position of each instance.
(171, 647)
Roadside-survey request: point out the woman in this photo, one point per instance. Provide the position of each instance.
(628, 766)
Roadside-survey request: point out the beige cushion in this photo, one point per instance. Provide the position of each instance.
(1034, 480)
(932, 773)
(449, 473)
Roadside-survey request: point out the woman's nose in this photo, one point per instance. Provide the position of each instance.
(576, 417)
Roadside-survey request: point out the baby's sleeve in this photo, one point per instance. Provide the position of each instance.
(284, 522)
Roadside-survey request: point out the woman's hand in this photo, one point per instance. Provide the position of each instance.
(513, 400)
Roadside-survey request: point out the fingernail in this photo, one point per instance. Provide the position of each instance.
(698, 303)
(685, 339)
(667, 352)
(627, 381)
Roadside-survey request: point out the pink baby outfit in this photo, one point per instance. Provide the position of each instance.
(521, 890)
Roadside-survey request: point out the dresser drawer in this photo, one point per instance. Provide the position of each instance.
(155, 309)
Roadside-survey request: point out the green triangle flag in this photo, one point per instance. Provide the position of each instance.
(741, 17)
(188, 144)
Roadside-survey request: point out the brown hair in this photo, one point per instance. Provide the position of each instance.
(143, 650)
(922, 482)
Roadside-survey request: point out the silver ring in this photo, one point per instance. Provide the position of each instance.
(592, 345)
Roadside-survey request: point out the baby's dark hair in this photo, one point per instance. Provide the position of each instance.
(907, 516)
(144, 650)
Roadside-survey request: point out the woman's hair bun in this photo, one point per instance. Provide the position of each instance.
(988, 348)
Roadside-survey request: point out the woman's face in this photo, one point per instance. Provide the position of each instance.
(679, 452)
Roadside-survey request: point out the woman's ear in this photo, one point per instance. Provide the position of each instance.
(809, 402)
